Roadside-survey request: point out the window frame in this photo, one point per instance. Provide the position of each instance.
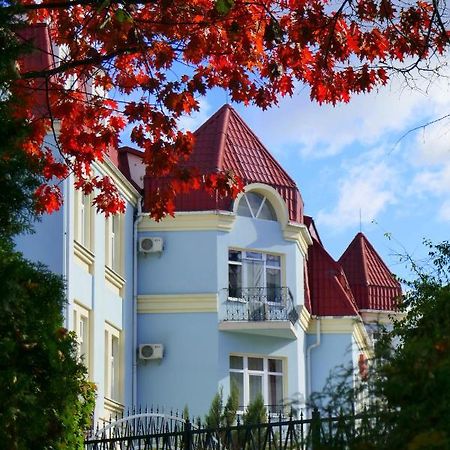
(256, 214)
(113, 377)
(83, 220)
(81, 315)
(244, 284)
(113, 243)
(265, 374)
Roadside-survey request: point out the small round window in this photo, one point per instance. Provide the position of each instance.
(256, 206)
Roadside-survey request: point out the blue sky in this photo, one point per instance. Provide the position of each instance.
(355, 170)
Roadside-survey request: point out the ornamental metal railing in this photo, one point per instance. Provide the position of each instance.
(155, 432)
(258, 304)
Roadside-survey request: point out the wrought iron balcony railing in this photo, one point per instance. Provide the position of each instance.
(260, 304)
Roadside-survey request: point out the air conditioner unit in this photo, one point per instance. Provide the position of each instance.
(151, 244)
(151, 351)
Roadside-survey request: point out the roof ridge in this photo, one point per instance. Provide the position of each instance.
(261, 144)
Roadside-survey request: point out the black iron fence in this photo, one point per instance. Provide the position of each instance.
(154, 431)
(259, 304)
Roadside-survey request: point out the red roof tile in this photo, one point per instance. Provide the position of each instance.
(329, 289)
(372, 283)
(226, 143)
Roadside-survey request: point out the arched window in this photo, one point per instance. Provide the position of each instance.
(256, 206)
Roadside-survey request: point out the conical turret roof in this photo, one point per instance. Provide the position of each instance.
(226, 143)
(372, 283)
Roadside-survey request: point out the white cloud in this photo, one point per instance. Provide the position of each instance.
(368, 185)
(320, 131)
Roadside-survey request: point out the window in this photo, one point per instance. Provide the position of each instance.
(81, 328)
(83, 219)
(249, 269)
(112, 363)
(257, 206)
(113, 244)
(255, 376)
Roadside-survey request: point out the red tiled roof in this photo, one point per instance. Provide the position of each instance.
(329, 290)
(119, 158)
(40, 58)
(372, 283)
(226, 143)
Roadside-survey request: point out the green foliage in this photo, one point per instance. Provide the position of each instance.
(220, 415)
(46, 401)
(214, 417)
(256, 412)
(231, 407)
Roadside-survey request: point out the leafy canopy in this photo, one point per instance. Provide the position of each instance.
(160, 56)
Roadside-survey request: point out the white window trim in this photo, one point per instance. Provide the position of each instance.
(264, 373)
(79, 312)
(114, 243)
(113, 332)
(84, 220)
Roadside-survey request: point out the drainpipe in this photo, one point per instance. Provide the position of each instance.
(137, 221)
(66, 247)
(308, 355)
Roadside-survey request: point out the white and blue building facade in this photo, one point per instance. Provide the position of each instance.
(231, 293)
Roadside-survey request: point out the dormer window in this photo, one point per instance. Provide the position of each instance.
(256, 206)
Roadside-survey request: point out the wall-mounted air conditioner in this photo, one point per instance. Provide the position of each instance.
(151, 351)
(151, 244)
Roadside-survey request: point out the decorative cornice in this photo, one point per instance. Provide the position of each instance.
(115, 279)
(362, 339)
(304, 318)
(125, 188)
(333, 324)
(83, 254)
(191, 221)
(344, 325)
(177, 303)
(381, 317)
(299, 233)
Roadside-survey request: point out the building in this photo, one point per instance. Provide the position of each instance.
(243, 291)
(167, 313)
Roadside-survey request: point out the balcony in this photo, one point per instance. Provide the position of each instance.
(260, 310)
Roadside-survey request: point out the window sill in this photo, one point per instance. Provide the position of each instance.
(84, 255)
(115, 280)
(113, 407)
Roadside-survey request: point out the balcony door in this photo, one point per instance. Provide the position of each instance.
(254, 275)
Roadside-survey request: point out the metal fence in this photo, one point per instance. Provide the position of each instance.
(157, 431)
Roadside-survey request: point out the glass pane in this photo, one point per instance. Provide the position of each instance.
(275, 365)
(255, 386)
(234, 280)
(255, 364)
(234, 255)
(273, 281)
(236, 362)
(254, 255)
(255, 274)
(275, 390)
(243, 209)
(267, 212)
(237, 379)
(273, 260)
(254, 200)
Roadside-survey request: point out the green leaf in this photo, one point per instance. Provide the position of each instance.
(122, 16)
(223, 7)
